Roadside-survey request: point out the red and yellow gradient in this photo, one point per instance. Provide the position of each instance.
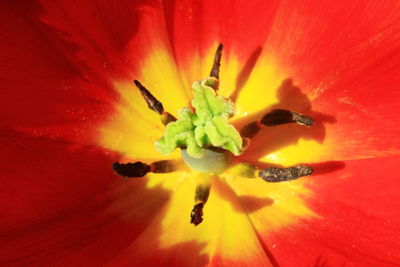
(69, 111)
(284, 203)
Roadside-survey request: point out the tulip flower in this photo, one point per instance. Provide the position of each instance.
(71, 112)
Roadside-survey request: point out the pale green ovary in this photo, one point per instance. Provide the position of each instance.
(208, 126)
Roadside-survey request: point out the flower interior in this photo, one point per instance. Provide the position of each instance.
(208, 140)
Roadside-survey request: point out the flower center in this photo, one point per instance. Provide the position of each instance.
(211, 158)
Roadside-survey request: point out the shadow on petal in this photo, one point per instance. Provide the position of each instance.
(244, 74)
(251, 203)
(271, 139)
(327, 167)
(245, 203)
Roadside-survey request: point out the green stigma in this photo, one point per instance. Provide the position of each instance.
(207, 127)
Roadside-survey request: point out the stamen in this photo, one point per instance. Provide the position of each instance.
(137, 169)
(151, 101)
(217, 62)
(196, 216)
(154, 104)
(275, 174)
(140, 169)
(201, 197)
(274, 118)
(281, 116)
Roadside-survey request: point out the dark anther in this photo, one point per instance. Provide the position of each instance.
(217, 62)
(196, 216)
(137, 169)
(201, 197)
(277, 117)
(281, 116)
(151, 101)
(275, 174)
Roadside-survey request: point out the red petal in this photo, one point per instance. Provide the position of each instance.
(57, 62)
(63, 205)
(358, 218)
(193, 26)
(347, 62)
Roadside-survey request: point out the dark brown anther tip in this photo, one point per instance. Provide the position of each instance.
(196, 216)
(217, 62)
(220, 47)
(277, 117)
(281, 116)
(275, 174)
(137, 83)
(137, 169)
(151, 101)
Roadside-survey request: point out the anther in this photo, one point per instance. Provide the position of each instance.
(201, 196)
(154, 104)
(137, 169)
(140, 169)
(196, 216)
(151, 101)
(281, 116)
(274, 118)
(217, 62)
(275, 174)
